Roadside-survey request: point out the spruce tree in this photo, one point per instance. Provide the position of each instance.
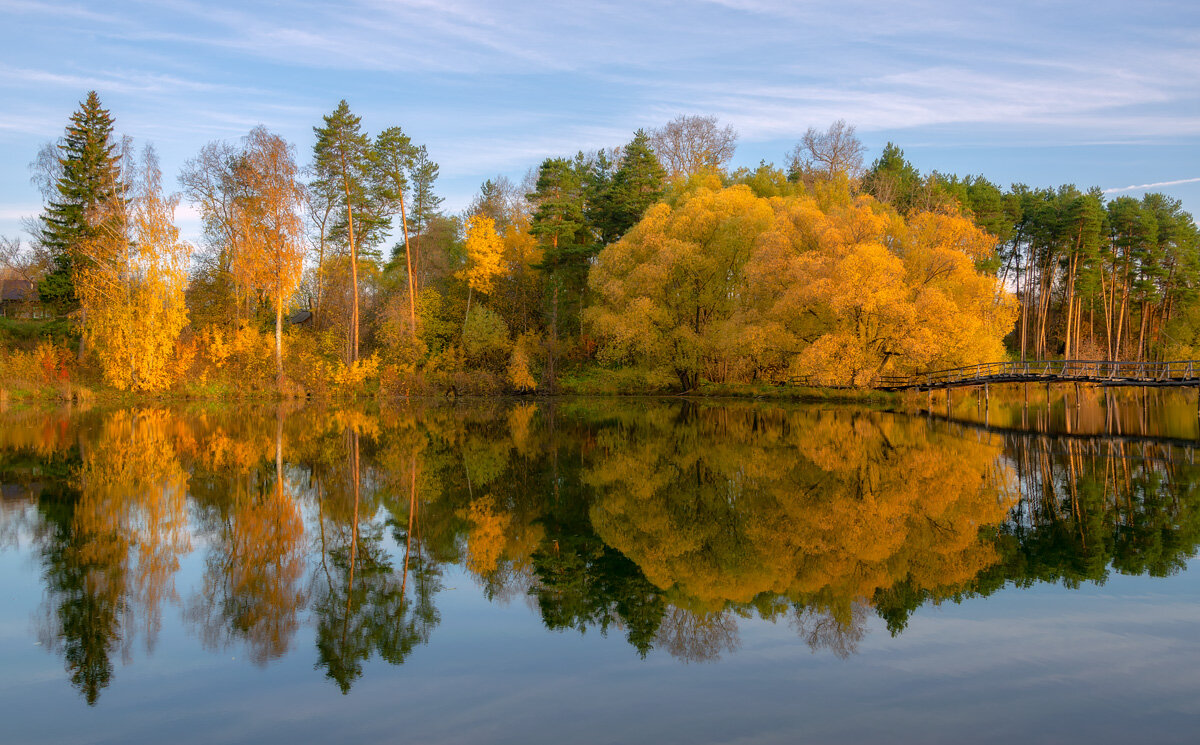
(425, 202)
(637, 184)
(91, 178)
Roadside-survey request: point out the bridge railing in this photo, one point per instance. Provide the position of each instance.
(1049, 369)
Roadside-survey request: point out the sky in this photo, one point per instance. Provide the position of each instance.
(1043, 93)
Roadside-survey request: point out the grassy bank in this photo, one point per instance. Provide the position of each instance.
(38, 368)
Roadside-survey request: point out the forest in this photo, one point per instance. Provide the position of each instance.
(333, 269)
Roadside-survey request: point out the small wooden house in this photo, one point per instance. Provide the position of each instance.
(19, 298)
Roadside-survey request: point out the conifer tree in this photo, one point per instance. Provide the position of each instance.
(343, 159)
(90, 179)
(635, 186)
(425, 202)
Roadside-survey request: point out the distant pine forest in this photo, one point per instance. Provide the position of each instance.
(331, 269)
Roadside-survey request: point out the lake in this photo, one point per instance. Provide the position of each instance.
(604, 571)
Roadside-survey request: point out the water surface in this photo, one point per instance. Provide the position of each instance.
(604, 571)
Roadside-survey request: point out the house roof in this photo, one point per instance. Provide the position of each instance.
(18, 290)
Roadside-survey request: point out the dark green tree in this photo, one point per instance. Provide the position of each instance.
(393, 159)
(892, 179)
(343, 164)
(636, 185)
(559, 223)
(425, 204)
(90, 177)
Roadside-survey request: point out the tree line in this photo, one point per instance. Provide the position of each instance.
(1096, 278)
(643, 266)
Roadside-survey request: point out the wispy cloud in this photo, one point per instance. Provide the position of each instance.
(1155, 185)
(57, 11)
(117, 82)
(495, 87)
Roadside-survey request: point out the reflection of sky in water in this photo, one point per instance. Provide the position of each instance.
(1118, 662)
(1112, 663)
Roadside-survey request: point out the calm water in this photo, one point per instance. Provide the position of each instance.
(602, 571)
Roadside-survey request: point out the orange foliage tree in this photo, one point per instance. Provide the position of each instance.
(726, 285)
(269, 215)
(132, 289)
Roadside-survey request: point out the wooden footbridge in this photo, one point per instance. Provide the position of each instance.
(1100, 372)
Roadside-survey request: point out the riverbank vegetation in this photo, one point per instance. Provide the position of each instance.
(647, 267)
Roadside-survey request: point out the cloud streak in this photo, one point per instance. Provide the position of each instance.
(1155, 185)
(489, 87)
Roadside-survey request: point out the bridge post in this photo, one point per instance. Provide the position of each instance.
(1077, 394)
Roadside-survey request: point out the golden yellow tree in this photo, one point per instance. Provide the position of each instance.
(726, 285)
(132, 287)
(665, 286)
(269, 216)
(485, 254)
(856, 292)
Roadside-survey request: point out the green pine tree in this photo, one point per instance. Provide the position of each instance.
(90, 178)
(636, 185)
(343, 157)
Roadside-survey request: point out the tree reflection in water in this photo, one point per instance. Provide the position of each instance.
(668, 524)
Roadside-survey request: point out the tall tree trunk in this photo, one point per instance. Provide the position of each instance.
(1071, 308)
(1108, 299)
(279, 343)
(317, 317)
(412, 281)
(1142, 334)
(550, 357)
(1092, 321)
(1121, 316)
(1024, 276)
(353, 281)
(1044, 298)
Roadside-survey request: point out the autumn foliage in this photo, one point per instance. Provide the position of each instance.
(641, 267)
(726, 285)
(132, 288)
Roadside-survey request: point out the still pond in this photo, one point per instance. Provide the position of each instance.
(603, 571)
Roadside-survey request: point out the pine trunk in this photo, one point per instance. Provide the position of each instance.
(412, 284)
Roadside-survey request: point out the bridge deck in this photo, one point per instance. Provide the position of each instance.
(1101, 372)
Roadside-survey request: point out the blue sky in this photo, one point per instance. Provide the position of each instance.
(1095, 93)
